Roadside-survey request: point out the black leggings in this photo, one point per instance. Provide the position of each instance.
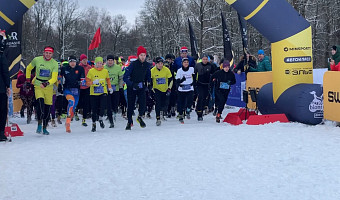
(98, 105)
(221, 99)
(184, 101)
(112, 104)
(202, 101)
(161, 102)
(3, 111)
(132, 95)
(43, 111)
(84, 102)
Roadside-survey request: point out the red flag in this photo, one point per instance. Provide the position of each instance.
(96, 40)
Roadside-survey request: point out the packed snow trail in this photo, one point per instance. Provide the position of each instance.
(195, 160)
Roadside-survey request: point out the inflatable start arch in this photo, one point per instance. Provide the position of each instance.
(291, 38)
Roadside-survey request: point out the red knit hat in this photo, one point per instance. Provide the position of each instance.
(140, 50)
(184, 49)
(82, 57)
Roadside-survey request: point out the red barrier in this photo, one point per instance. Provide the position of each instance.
(237, 118)
(265, 119)
(13, 131)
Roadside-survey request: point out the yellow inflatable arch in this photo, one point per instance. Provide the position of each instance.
(291, 38)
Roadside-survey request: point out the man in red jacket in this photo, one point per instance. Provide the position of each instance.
(84, 99)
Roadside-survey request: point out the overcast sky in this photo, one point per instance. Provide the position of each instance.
(129, 8)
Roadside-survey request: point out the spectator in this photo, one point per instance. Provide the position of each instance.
(263, 64)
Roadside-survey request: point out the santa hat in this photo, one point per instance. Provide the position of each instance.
(140, 50)
(184, 50)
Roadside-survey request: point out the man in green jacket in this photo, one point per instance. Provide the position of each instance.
(116, 78)
(263, 64)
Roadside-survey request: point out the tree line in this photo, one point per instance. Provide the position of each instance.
(162, 27)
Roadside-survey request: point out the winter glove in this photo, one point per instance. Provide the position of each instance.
(27, 85)
(95, 82)
(110, 90)
(182, 79)
(82, 82)
(168, 92)
(45, 84)
(135, 86)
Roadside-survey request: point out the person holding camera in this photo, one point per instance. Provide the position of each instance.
(161, 83)
(5, 90)
(334, 62)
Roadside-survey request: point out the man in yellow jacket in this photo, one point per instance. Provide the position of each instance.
(46, 76)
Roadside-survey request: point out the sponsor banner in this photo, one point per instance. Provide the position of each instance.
(331, 93)
(235, 97)
(255, 80)
(292, 62)
(13, 49)
(16, 101)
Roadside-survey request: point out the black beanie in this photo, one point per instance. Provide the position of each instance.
(110, 57)
(72, 59)
(158, 60)
(334, 47)
(169, 56)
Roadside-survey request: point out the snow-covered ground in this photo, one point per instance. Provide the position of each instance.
(195, 160)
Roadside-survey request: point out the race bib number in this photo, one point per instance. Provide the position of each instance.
(186, 87)
(224, 85)
(160, 81)
(44, 73)
(83, 82)
(74, 91)
(98, 89)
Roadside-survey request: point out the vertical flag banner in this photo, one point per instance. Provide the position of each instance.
(11, 11)
(244, 31)
(193, 41)
(292, 59)
(228, 54)
(13, 49)
(96, 40)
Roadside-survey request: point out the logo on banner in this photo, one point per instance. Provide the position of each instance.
(316, 106)
(333, 97)
(286, 49)
(298, 59)
(298, 71)
(13, 41)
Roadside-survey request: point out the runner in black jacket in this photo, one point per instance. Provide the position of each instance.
(4, 87)
(137, 76)
(221, 81)
(203, 72)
